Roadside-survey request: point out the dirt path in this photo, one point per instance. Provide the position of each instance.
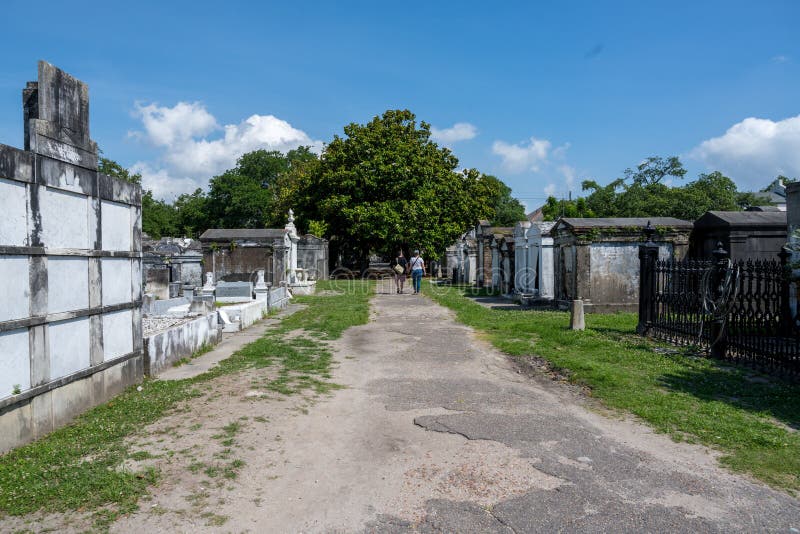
(435, 431)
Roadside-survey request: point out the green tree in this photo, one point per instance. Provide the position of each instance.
(507, 209)
(294, 190)
(158, 217)
(191, 213)
(112, 168)
(244, 197)
(259, 191)
(643, 193)
(386, 184)
(654, 169)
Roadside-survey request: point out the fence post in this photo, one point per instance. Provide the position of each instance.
(785, 296)
(648, 255)
(719, 338)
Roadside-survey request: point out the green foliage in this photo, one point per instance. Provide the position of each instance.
(654, 169)
(259, 191)
(158, 218)
(244, 197)
(191, 214)
(112, 168)
(317, 228)
(507, 210)
(749, 418)
(387, 184)
(642, 193)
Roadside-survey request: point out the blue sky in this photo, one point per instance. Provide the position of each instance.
(545, 94)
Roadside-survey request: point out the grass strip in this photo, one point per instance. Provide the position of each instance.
(752, 419)
(78, 467)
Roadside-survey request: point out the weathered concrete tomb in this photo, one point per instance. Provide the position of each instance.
(236, 255)
(461, 259)
(171, 266)
(744, 234)
(533, 249)
(495, 257)
(70, 266)
(597, 260)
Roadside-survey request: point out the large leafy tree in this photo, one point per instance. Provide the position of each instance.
(385, 184)
(259, 190)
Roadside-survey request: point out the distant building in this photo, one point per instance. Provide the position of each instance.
(773, 197)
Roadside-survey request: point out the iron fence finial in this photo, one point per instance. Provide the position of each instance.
(649, 231)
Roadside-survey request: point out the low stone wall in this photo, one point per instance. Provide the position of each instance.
(278, 298)
(248, 313)
(251, 313)
(163, 349)
(160, 307)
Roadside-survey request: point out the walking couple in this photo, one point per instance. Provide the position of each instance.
(402, 266)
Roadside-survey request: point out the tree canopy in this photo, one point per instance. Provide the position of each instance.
(643, 193)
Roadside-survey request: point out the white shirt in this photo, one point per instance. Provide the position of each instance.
(416, 263)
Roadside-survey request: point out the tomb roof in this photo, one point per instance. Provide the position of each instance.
(222, 234)
(620, 222)
(742, 218)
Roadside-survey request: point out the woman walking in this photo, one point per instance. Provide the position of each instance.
(400, 269)
(417, 265)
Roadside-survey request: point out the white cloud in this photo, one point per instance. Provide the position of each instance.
(754, 151)
(568, 172)
(166, 126)
(189, 157)
(780, 59)
(460, 131)
(568, 175)
(161, 183)
(518, 158)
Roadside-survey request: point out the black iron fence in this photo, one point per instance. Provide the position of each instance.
(734, 310)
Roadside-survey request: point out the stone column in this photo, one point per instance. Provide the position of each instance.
(495, 265)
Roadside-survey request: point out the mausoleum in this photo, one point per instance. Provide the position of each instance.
(744, 234)
(533, 249)
(597, 261)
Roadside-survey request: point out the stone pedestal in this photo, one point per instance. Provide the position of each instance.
(262, 288)
(576, 318)
(209, 288)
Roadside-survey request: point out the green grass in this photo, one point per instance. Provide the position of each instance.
(79, 466)
(749, 418)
